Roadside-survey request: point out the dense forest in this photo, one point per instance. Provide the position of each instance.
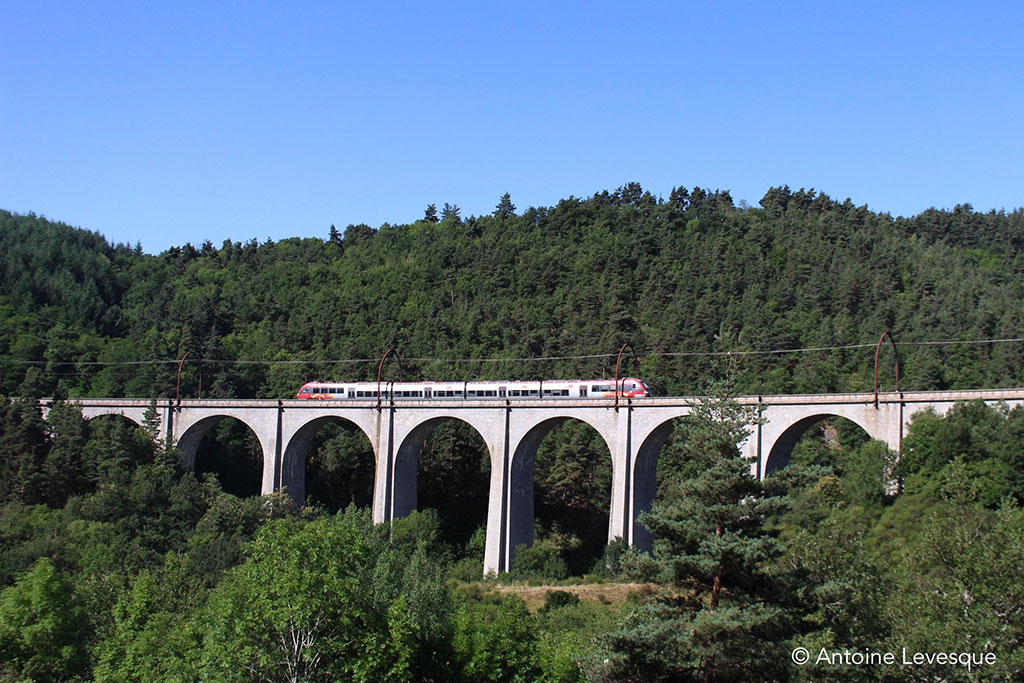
(118, 565)
(676, 279)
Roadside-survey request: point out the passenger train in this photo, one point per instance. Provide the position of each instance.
(627, 387)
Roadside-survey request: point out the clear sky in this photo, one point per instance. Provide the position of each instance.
(174, 122)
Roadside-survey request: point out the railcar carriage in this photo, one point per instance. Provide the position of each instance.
(628, 387)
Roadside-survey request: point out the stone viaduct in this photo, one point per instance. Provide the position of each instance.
(634, 431)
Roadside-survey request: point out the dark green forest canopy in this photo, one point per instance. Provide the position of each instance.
(693, 274)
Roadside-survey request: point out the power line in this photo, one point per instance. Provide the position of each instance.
(660, 354)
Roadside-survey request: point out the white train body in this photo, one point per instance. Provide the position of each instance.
(627, 387)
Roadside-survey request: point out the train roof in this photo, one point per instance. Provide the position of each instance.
(471, 381)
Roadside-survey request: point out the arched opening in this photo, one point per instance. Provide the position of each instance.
(329, 464)
(572, 475)
(227, 448)
(859, 468)
(444, 465)
(648, 478)
(825, 440)
(559, 499)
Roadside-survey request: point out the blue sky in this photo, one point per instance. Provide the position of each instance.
(166, 123)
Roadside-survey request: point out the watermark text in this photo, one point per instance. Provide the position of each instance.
(801, 656)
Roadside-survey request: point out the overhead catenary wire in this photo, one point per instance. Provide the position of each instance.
(537, 359)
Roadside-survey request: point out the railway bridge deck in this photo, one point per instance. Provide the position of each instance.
(512, 429)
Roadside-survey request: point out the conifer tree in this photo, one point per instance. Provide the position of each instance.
(505, 207)
(723, 616)
(430, 215)
(450, 212)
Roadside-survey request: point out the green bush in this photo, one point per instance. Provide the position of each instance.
(540, 560)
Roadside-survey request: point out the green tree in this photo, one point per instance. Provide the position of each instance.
(293, 610)
(986, 438)
(157, 629)
(23, 441)
(496, 641)
(724, 614)
(961, 588)
(334, 237)
(847, 597)
(868, 474)
(450, 212)
(65, 470)
(505, 207)
(430, 215)
(43, 627)
(328, 600)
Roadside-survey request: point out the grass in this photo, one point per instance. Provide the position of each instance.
(602, 593)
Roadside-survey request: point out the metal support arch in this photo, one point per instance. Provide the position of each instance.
(878, 351)
(177, 388)
(380, 369)
(618, 361)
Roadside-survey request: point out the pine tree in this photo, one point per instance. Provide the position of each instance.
(430, 215)
(505, 207)
(723, 615)
(151, 420)
(450, 212)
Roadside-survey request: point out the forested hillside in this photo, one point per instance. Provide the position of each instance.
(116, 564)
(691, 275)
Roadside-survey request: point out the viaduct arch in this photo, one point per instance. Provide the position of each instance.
(634, 430)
